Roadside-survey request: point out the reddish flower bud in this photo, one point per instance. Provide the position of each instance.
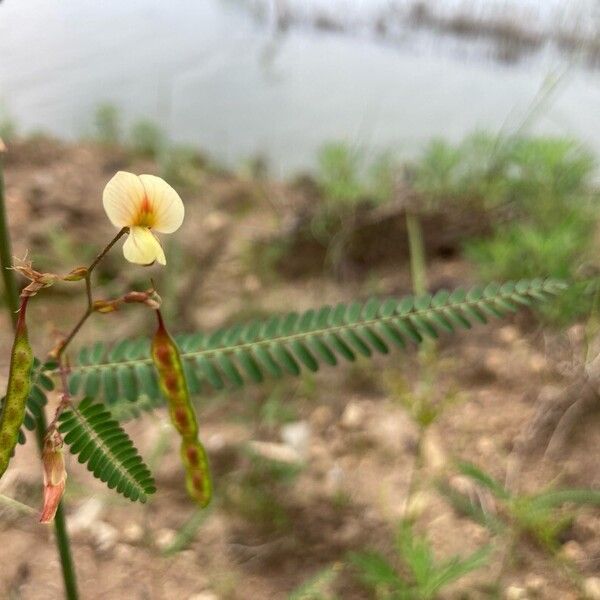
(149, 298)
(55, 477)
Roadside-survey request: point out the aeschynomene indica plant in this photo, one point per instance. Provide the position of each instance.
(170, 370)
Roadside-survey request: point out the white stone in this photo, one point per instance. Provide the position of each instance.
(591, 588)
(573, 551)
(105, 535)
(353, 416)
(535, 584)
(86, 514)
(275, 452)
(207, 595)
(297, 436)
(516, 593)
(132, 533)
(164, 538)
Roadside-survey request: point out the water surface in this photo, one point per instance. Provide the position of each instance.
(214, 76)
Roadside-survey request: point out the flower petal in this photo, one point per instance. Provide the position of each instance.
(55, 476)
(167, 206)
(123, 196)
(142, 248)
(52, 496)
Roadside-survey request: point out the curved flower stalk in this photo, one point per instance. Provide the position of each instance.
(143, 204)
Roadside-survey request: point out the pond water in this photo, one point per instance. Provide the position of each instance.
(214, 76)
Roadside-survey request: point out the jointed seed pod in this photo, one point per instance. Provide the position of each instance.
(197, 472)
(167, 361)
(19, 384)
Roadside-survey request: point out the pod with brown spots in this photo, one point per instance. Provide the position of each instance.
(19, 385)
(171, 376)
(197, 472)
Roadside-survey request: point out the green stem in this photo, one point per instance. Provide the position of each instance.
(413, 482)
(88, 289)
(12, 302)
(19, 506)
(60, 527)
(418, 271)
(416, 247)
(10, 285)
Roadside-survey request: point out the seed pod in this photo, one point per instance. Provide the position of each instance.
(19, 384)
(171, 375)
(197, 473)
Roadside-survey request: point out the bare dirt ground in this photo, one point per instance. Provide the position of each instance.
(353, 443)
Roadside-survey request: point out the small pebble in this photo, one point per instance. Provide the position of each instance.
(591, 588)
(573, 551)
(353, 416)
(535, 584)
(515, 593)
(164, 538)
(207, 595)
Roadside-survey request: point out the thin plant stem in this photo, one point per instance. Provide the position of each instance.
(12, 301)
(418, 271)
(416, 247)
(413, 481)
(11, 294)
(88, 289)
(18, 506)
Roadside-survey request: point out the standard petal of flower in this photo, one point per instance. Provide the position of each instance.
(123, 198)
(141, 247)
(167, 206)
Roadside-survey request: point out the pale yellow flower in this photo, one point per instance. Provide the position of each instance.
(143, 203)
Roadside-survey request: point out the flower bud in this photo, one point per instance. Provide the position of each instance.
(76, 274)
(149, 298)
(55, 477)
(105, 306)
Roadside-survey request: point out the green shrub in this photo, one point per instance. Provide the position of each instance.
(346, 179)
(542, 516)
(542, 200)
(346, 175)
(551, 172)
(107, 124)
(8, 127)
(147, 139)
(530, 175)
(427, 576)
(472, 172)
(339, 173)
(183, 166)
(518, 250)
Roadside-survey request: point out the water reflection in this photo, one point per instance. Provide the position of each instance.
(214, 76)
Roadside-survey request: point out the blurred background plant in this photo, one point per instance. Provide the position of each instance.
(425, 576)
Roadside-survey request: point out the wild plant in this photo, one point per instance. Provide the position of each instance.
(150, 372)
(418, 575)
(541, 517)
